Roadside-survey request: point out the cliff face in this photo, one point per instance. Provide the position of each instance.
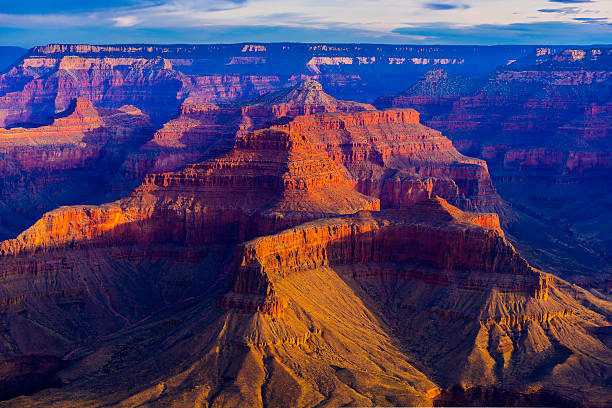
(118, 264)
(39, 86)
(389, 154)
(269, 181)
(392, 156)
(315, 307)
(340, 309)
(510, 315)
(399, 236)
(66, 161)
(204, 129)
(542, 124)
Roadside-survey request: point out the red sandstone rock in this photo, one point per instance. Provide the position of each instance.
(332, 311)
(204, 129)
(271, 180)
(67, 161)
(392, 156)
(420, 235)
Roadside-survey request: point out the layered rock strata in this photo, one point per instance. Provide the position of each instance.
(433, 272)
(389, 154)
(67, 161)
(74, 138)
(204, 129)
(541, 112)
(542, 124)
(157, 79)
(271, 180)
(418, 235)
(392, 156)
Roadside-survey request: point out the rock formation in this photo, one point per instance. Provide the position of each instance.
(392, 156)
(157, 79)
(399, 236)
(263, 272)
(514, 320)
(389, 154)
(272, 179)
(334, 311)
(542, 124)
(28, 374)
(40, 85)
(66, 161)
(204, 129)
(562, 97)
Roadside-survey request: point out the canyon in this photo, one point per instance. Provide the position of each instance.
(542, 125)
(213, 225)
(388, 154)
(158, 79)
(339, 310)
(72, 159)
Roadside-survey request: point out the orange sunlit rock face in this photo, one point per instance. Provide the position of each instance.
(392, 156)
(269, 181)
(389, 154)
(398, 236)
(204, 129)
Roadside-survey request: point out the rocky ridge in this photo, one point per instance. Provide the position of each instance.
(49, 165)
(326, 286)
(204, 129)
(516, 322)
(269, 181)
(47, 78)
(542, 125)
(392, 156)
(389, 154)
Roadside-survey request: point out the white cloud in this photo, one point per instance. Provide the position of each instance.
(125, 21)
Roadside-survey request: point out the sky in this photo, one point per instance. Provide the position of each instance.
(35, 22)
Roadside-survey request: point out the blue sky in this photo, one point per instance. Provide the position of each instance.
(31, 22)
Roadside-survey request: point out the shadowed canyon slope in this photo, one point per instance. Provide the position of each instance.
(542, 124)
(69, 160)
(356, 310)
